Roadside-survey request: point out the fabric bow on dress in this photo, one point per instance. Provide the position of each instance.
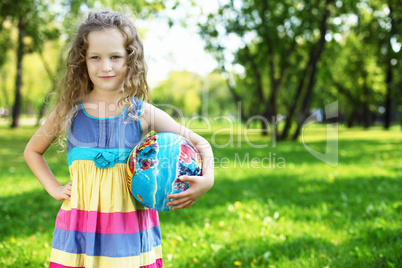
(105, 160)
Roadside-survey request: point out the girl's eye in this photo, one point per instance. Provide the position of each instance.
(116, 57)
(94, 57)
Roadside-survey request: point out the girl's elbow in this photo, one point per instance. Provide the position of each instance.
(203, 142)
(204, 146)
(27, 153)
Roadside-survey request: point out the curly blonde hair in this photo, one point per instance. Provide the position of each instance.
(76, 82)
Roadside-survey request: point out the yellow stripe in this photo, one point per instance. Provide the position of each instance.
(67, 259)
(103, 190)
(81, 260)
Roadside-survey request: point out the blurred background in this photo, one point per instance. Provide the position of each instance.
(278, 58)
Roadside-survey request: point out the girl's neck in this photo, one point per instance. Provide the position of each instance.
(104, 96)
(102, 105)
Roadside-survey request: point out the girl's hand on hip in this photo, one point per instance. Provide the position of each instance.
(199, 185)
(63, 192)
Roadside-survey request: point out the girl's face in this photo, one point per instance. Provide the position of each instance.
(106, 59)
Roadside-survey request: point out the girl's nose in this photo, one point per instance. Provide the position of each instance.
(106, 65)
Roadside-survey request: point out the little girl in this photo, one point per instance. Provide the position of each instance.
(104, 110)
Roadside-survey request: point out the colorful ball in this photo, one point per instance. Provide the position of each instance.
(156, 163)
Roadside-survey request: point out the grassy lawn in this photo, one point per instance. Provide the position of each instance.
(296, 212)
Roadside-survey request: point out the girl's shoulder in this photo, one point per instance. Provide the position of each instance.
(134, 101)
(135, 104)
(134, 108)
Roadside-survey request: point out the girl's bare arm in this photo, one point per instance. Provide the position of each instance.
(33, 155)
(159, 121)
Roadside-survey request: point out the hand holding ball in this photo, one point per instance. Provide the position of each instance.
(155, 165)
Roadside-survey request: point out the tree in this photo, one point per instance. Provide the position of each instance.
(265, 57)
(280, 45)
(38, 22)
(357, 78)
(384, 31)
(311, 70)
(358, 65)
(276, 39)
(33, 22)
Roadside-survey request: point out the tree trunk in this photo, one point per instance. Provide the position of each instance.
(401, 122)
(309, 94)
(265, 114)
(389, 77)
(350, 119)
(5, 93)
(366, 102)
(236, 97)
(265, 125)
(388, 99)
(299, 90)
(18, 80)
(52, 77)
(273, 105)
(43, 108)
(260, 93)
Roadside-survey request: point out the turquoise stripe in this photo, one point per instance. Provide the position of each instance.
(140, 109)
(107, 156)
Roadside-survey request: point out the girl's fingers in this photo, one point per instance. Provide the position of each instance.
(189, 178)
(180, 195)
(67, 197)
(177, 201)
(189, 205)
(183, 205)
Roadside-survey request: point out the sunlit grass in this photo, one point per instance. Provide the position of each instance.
(300, 213)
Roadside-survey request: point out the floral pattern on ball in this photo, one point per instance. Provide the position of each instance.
(155, 165)
(189, 164)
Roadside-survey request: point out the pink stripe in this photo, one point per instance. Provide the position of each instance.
(107, 223)
(56, 265)
(157, 264)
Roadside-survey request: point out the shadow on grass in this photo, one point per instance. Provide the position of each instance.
(374, 247)
(349, 202)
(28, 213)
(351, 206)
(365, 208)
(349, 152)
(290, 188)
(306, 251)
(262, 253)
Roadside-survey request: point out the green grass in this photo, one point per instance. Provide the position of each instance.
(299, 213)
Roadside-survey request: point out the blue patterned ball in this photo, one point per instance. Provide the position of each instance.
(156, 163)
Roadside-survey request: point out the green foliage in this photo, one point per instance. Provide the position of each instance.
(37, 18)
(50, 26)
(182, 90)
(355, 65)
(307, 214)
(185, 94)
(218, 100)
(275, 39)
(35, 77)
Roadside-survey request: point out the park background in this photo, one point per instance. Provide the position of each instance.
(264, 69)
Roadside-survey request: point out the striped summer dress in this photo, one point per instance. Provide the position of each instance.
(103, 225)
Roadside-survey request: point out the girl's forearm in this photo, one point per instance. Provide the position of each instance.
(40, 169)
(207, 157)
